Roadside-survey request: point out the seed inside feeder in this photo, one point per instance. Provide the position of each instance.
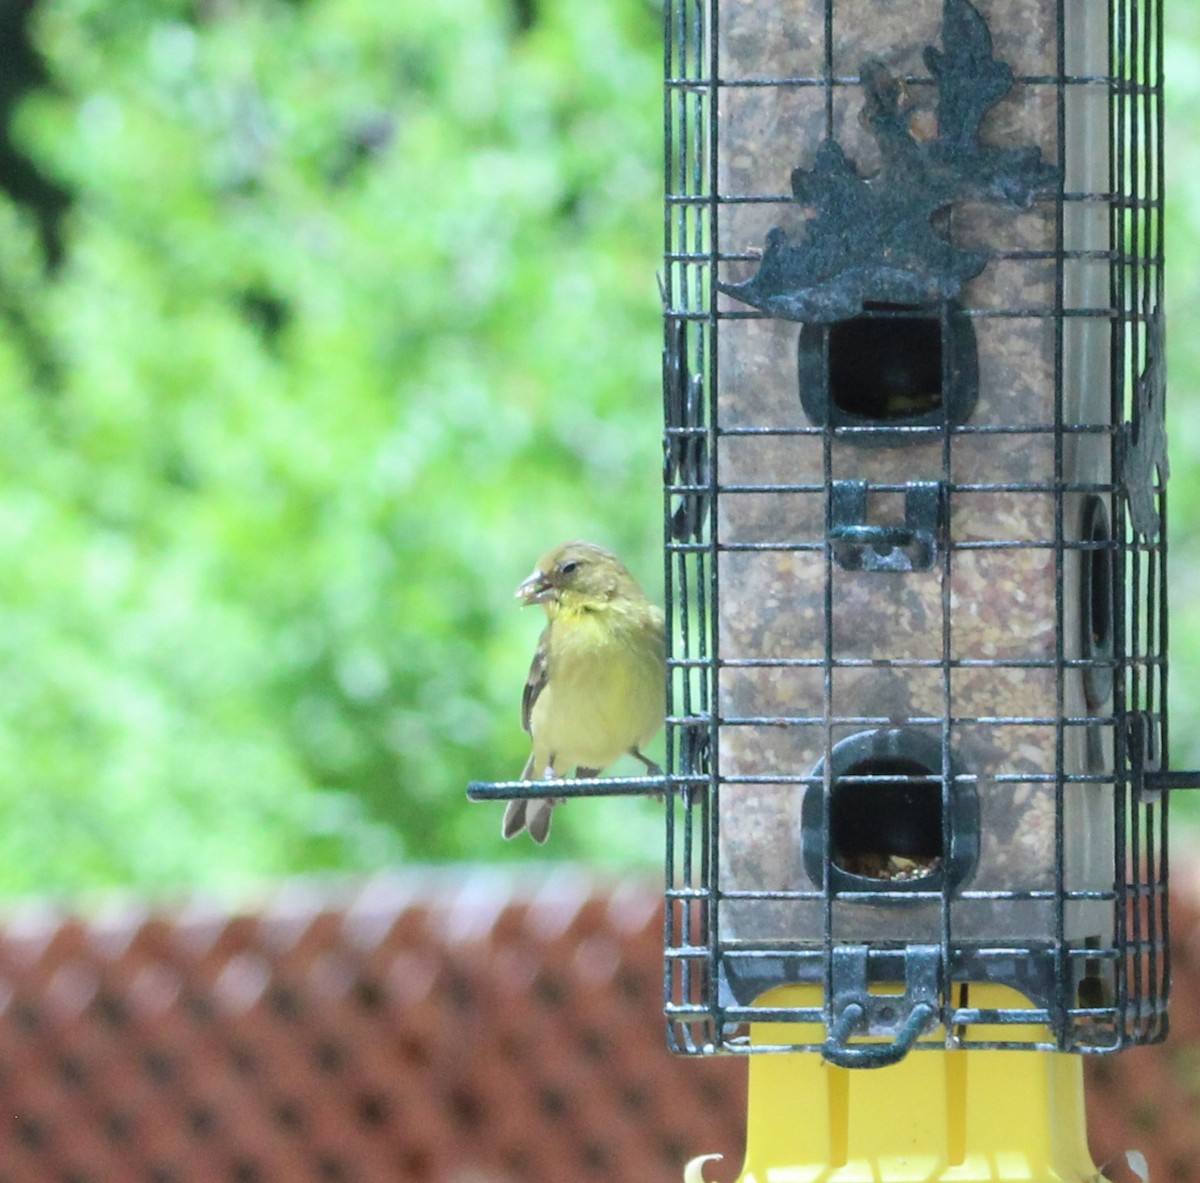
(886, 819)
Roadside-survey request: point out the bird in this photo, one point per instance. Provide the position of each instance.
(596, 689)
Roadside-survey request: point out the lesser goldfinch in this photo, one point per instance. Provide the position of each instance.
(597, 686)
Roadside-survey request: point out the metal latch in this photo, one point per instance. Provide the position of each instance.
(902, 1017)
(859, 546)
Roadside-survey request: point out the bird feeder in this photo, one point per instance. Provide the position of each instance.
(916, 570)
(914, 352)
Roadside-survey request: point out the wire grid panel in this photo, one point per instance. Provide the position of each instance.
(915, 520)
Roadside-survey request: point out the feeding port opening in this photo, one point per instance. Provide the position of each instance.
(885, 819)
(886, 832)
(886, 364)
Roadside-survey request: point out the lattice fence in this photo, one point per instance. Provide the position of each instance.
(456, 1028)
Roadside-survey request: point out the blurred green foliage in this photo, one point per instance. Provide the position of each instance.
(1182, 65)
(318, 323)
(355, 315)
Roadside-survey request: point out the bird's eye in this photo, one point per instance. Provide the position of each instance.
(567, 568)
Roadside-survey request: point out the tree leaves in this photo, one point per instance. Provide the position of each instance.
(355, 316)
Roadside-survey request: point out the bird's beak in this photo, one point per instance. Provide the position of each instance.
(537, 589)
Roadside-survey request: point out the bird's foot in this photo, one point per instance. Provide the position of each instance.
(652, 769)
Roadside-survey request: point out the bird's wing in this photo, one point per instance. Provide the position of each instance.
(535, 683)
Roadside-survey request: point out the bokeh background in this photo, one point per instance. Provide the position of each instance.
(319, 321)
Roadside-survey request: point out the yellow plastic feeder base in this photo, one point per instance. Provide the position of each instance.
(951, 1116)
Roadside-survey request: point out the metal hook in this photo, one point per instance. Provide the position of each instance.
(873, 1055)
(860, 546)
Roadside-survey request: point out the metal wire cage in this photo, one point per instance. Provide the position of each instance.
(915, 525)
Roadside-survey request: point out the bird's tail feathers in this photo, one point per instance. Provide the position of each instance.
(537, 819)
(533, 816)
(514, 819)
